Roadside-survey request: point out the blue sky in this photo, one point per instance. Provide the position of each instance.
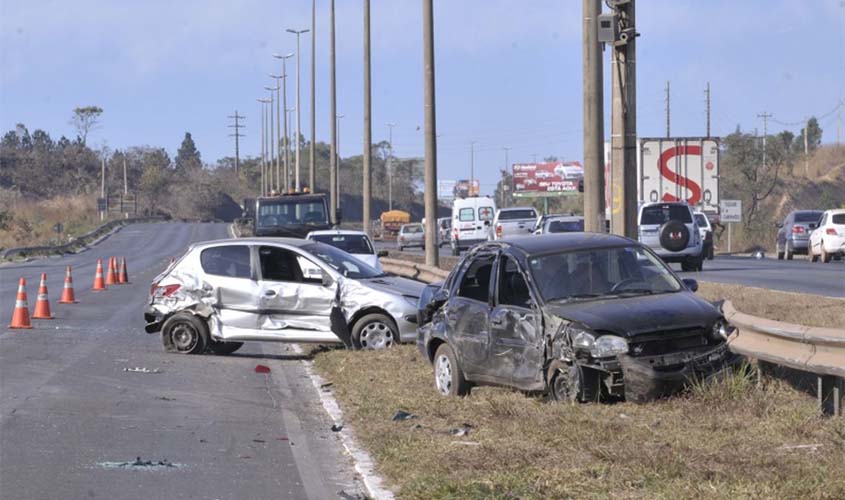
(508, 72)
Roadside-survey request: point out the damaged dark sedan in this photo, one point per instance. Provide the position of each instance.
(581, 316)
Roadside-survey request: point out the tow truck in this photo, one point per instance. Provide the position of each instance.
(291, 215)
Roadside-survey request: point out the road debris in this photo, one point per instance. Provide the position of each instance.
(402, 415)
(141, 369)
(461, 431)
(139, 464)
(262, 369)
(337, 427)
(165, 398)
(799, 447)
(467, 443)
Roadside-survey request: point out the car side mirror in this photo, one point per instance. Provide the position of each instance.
(691, 284)
(382, 253)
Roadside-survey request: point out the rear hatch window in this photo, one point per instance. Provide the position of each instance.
(660, 214)
(517, 214)
(838, 219)
(808, 216)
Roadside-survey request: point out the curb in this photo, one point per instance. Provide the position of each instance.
(364, 464)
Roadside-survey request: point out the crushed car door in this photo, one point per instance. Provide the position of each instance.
(466, 314)
(294, 305)
(515, 329)
(228, 277)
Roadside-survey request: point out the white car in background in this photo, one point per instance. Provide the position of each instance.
(828, 240)
(352, 242)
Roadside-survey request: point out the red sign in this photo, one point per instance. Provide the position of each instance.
(550, 177)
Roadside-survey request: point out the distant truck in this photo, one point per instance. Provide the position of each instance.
(391, 222)
(288, 215)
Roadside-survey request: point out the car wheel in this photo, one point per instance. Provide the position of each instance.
(448, 378)
(455, 251)
(573, 383)
(224, 348)
(779, 251)
(374, 331)
(185, 333)
(789, 252)
(825, 256)
(401, 248)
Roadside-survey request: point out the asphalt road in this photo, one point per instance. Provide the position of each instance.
(799, 275)
(73, 419)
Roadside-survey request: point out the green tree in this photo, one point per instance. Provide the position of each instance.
(84, 120)
(814, 137)
(188, 157)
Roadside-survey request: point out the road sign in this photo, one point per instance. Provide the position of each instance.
(731, 210)
(101, 205)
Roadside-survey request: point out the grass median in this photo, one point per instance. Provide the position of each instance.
(725, 440)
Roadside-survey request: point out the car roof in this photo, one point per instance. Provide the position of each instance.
(294, 242)
(836, 211)
(563, 242)
(349, 232)
(517, 208)
(564, 217)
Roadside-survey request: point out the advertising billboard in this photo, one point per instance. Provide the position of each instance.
(680, 168)
(465, 189)
(556, 178)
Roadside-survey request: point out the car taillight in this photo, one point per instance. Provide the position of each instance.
(163, 291)
(498, 230)
(830, 231)
(797, 229)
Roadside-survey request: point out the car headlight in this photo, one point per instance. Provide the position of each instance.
(609, 345)
(414, 301)
(721, 330)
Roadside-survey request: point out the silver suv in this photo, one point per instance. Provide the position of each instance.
(670, 229)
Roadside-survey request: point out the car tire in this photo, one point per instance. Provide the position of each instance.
(374, 331)
(789, 252)
(184, 333)
(401, 248)
(813, 257)
(224, 348)
(825, 257)
(455, 251)
(779, 251)
(573, 383)
(448, 377)
(674, 227)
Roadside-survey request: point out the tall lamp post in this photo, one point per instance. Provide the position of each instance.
(390, 165)
(271, 139)
(296, 139)
(337, 121)
(263, 147)
(278, 137)
(286, 176)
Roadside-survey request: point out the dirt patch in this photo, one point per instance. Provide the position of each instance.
(722, 441)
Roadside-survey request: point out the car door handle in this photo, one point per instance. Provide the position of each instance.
(270, 293)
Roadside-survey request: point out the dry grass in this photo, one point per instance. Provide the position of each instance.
(32, 221)
(802, 309)
(726, 440)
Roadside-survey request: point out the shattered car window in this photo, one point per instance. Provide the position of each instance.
(342, 262)
(601, 273)
(229, 260)
(476, 281)
(513, 290)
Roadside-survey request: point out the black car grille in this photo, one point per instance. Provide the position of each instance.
(669, 342)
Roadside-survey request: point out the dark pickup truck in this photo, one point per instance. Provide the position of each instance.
(288, 215)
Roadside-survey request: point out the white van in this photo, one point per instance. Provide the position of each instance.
(472, 222)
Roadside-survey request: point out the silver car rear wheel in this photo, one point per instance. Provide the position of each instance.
(443, 375)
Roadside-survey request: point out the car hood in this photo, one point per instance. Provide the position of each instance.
(631, 316)
(395, 285)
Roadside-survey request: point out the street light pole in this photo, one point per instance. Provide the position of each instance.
(298, 122)
(337, 160)
(507, 169)
(272, 140)
(333, 163)
(312, 160)
(471, 165)
(286, 146)
(278, 137)
(390, 165)
(430, 198)
(289, 116)
(263, 149)
(368, 126)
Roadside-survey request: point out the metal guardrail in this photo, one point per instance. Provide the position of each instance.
(413, 270)
(79, 242)
(820, 351)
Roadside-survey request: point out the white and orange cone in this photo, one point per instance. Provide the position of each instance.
(111, 276)
(42, 303)
(99, 282)
(68, 296)
(123, 277)
(20, 318)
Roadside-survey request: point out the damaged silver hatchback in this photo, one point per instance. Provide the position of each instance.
(222, 293)
(581, 316)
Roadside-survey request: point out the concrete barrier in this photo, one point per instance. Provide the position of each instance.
(413, 270)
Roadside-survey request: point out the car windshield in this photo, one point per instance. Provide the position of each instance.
(601, 272)
(808, 216)
(660, 214)
(517, 214)
(342, 262)
(565, 226)
(352, 243)
(282, 212)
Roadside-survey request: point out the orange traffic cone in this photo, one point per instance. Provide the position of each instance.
(42, 303)
(123, 277)
(99, 283)
(111, 276)
(67, 293)
(20, 318)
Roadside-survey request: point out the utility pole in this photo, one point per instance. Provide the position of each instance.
(272, 139)
(337, 119)
(334, 202)
(103, 187)
(506, 170)
(471, 165)
(390, 165)
(278, 137)
(263, 148)
(286, 145)
(839, 122)
(290, 175)
(707, 107)
(806, 148)
(126, 187)
(368, 126)
(431, 251)
(668, 111)
(237, 135)
(765, 116)
(312, 160)
(298, 107)
(593, 119)
(623, 214)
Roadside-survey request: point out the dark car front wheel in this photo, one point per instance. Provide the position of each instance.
(184, 333)
(571, 383)
(448, 378)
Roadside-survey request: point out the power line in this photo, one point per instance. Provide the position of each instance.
(802, 122)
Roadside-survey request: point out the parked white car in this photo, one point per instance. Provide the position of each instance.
(356, 243)
(828, 239)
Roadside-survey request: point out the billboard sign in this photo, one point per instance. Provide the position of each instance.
(464, 189)
(731, 211)
(680, 168)
(446, 189)
(555, 178)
